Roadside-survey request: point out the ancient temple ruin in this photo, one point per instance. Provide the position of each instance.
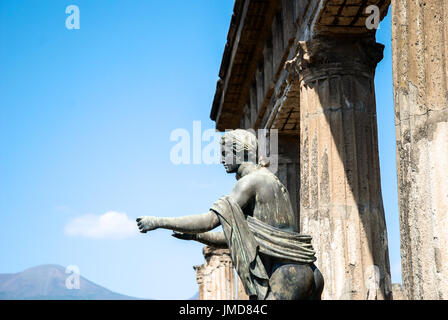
(216, 277)
(306, 68)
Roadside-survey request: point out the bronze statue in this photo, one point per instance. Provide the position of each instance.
(259, 226)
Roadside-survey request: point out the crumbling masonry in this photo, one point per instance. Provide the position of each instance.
(306, 68)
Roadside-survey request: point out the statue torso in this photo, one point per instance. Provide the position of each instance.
(271, 203)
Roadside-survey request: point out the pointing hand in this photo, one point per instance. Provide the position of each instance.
(147, 223)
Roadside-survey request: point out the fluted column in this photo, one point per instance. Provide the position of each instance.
(241, 292)
(216, 278)
(340, 200)
(420, 48)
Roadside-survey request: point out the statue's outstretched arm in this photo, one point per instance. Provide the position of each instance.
(187, 224)
(212, 239)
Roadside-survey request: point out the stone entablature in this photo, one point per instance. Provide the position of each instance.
(261, 39)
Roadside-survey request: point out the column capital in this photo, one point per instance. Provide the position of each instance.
(323, 57)
(221, 254)
(199, 273)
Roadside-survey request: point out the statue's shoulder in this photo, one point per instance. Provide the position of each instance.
(265, 172)
(259, 176)
(267, 176)
(249, 181)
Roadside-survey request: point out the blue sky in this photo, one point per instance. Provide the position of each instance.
(85, 123)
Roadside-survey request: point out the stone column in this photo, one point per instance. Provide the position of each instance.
(340, 201)
(241, 292)
(288, 168)
(216, 278)
(420, 48)
(398, 292)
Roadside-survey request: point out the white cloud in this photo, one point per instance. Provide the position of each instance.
(108, 225)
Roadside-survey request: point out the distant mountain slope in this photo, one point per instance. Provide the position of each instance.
(48, 282)
(195, 297)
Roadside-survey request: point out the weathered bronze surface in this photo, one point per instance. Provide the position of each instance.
(260, 229)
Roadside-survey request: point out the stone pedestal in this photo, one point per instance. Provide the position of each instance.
(420, 48)
(340, 198)
(216, 278)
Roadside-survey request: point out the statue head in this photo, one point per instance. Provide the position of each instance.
(238, 146)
